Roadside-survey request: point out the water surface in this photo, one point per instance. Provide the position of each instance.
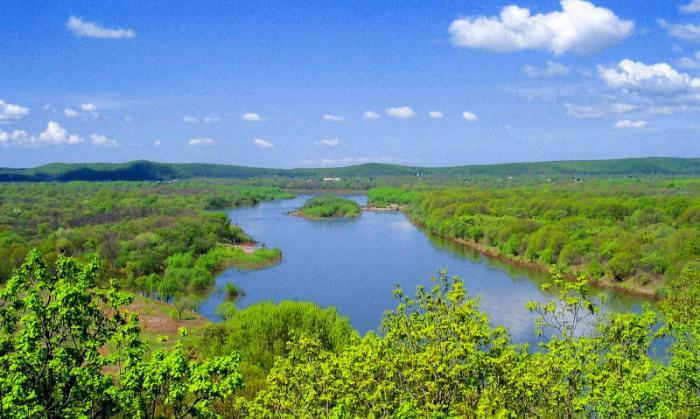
(355, 265)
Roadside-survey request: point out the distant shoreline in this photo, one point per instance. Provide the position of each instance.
(493, 253)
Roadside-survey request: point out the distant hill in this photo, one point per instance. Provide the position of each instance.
(152, 171)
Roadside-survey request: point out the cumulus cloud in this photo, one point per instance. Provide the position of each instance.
(685, 31)
(638, 77)
(190, 119)
(553, 69)
(692, 7)
(211, 119)
(196, 142)
(582, 112)
(332, 118)
(627, 124)
(580, 27)
(252, 117)
(10, 112)
(55, 134)
(156, 143)
(328, 142)
(83, 28)
(102, 140)
(369, 115)
(403, 112)
(435, 114)
(263, 143)
(468, 116)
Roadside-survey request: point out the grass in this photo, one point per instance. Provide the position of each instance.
(237, 257)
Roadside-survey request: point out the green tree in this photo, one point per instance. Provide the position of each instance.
(53, 327)
(69, 350)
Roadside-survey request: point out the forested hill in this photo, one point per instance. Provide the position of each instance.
(146, 170)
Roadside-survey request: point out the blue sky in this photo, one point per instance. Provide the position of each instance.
(325, 83)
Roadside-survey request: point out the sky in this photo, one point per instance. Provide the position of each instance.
(334, 83)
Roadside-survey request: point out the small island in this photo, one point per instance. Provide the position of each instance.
(329, 206)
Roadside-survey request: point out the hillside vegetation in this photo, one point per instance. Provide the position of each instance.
(146, 170)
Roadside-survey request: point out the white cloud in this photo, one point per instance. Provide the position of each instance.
(638, 77)
(207, 119)
(87, 110)
(691, 63)
(580, 27)
(332, 118)
(55, 134)
(157, 143)
(369, 115)
(582, 112)
(403, 112)
(252, 117)
(435, 114)
(685, 31)
(16, 137)
(468, 116)
(670, 110)
(84, 28)
(263, 143)
(692, 7)
(88, 107)
(102, 140)
(10, 112)
(627, 124)
(622, 107)
(195, 142)
(553, 69)
(328, 142)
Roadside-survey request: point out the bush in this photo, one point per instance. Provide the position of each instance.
(621, 266)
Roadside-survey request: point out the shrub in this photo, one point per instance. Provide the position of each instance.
(621, 266)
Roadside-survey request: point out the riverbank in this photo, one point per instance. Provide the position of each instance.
(629, 286)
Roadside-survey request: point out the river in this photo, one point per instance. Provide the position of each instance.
(354, 265)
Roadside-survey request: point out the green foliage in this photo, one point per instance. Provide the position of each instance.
(69, 350)
(330, 206)
(614, 230)
(621, 266)
(154, 238)
(233, 291)
(261, 331)
(383, 197)
(438, 356)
